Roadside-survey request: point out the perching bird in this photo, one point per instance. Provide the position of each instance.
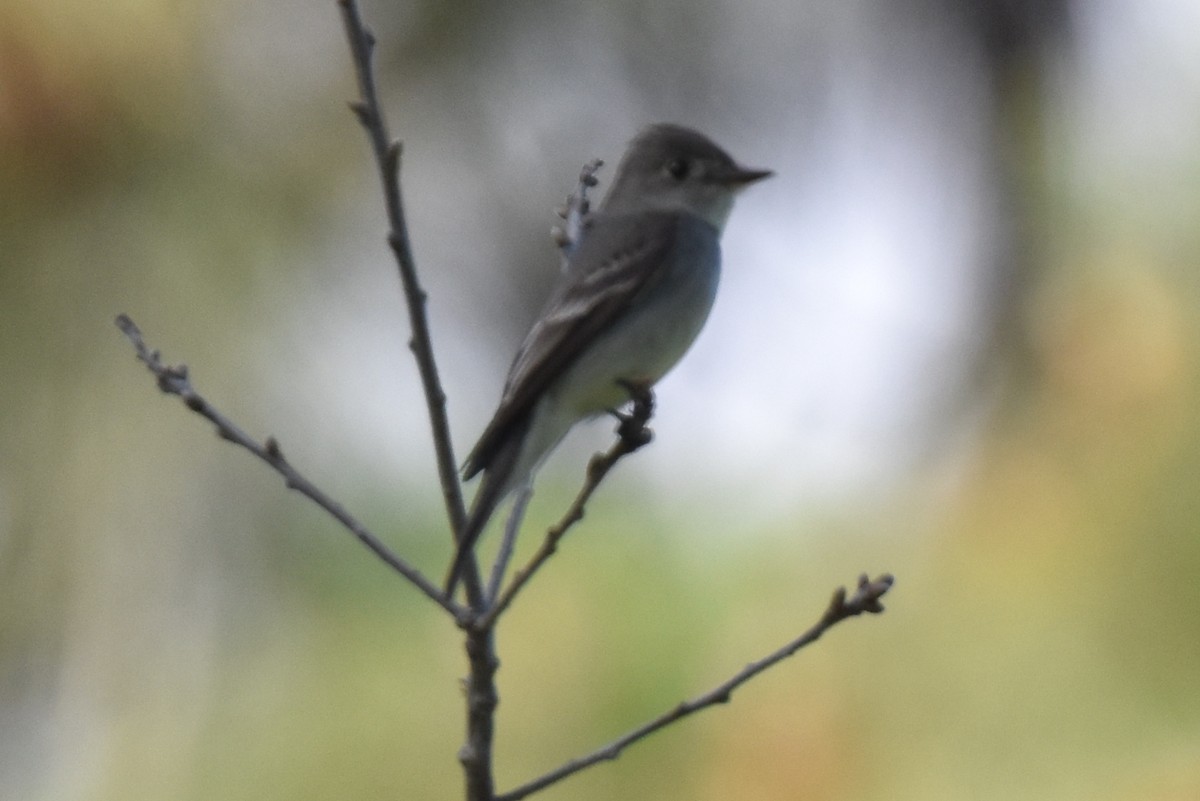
(633, 296)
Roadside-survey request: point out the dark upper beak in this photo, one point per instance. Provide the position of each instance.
(738, 177)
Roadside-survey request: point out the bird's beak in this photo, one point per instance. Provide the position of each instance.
(740, 177)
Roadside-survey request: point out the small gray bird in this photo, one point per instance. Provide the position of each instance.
(635, 292)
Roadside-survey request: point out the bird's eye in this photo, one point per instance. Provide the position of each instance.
(677, 169)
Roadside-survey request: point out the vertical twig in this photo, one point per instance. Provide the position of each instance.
(482, 698)
(574, 212)
(387, 154)
(512, 527)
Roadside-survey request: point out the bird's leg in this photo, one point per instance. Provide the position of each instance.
(632, 428)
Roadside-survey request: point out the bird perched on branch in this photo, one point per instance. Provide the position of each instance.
(634, 293)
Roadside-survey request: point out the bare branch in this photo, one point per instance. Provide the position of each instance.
(865, 599)
(512, 527)
(482, 699)
(632, 434)
(387, 158)
(476, 755)
(574, 212)
(174, 380)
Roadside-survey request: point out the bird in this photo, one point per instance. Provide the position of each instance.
(633, 295)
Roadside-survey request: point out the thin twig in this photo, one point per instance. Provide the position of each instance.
(575, 211)
(512, 527)
(865, 599)
(387, 154)
(174, 380)
(476, 754)
(632, 434)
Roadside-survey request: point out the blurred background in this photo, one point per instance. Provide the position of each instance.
(957, 339)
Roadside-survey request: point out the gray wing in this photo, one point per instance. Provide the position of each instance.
(624, 256)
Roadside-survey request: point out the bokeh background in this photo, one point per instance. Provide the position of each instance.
(957, 339)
